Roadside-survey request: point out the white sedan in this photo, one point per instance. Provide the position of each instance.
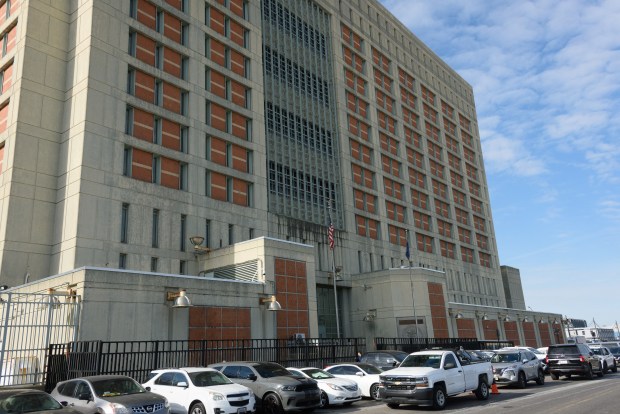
(200, 391)
(365, 375)
(333, 390)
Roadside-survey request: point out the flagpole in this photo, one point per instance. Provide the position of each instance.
(331, 247)
(408, 256)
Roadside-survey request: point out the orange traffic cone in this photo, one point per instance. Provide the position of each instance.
(494, 389)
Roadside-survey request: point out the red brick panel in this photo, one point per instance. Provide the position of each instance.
(529, 334)
(175, 3)
(545, 334)
(10, 42)
(512, 333)
(292, 293)
(143, 125)
(558, 333)
(218, 52)
(146, 14)
(438, 310)
(218, 151)
(172, 27)
(373, 229)
(237, 63)
(218, 84)
(466, 328)
(239, 158)
(218, 117)
(219, 323)
(236, 6)
(361, 225)
(217, 21)
(490, 330)
(170, 173)
(172, 98)
(142, 165)
(7, 78)
(171, 135)
(1, 158)
(357, 174)
(238, 94)
(239, 126)
(218, 186)
(172, 62)
(4, 116)
(145, 49)
(240, 192)
(3, 12)
(237, 33)
(144, 86)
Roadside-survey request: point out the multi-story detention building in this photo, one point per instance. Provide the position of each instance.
(128, 127)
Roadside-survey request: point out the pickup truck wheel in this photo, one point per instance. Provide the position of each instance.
(482, 392)
(324, 399)
(541, 377)
(197, 408)
(439, 398)
(393, 405)
(374, 391)
(271, 404)
(521, 381)
(554, 376)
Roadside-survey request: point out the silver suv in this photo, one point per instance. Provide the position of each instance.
(517, 366)
(276, 389)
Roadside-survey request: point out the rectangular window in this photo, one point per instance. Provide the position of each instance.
(156, 172)
(157, 131)
(131, 81)
(250, 233)
(183, 177)
(131, 49)
(182, 267)
(155, 229)
(231, 234)
(184, 103)
(183, 232)
(184, 139)
(250, 195)
(159, 21)
(207, 183)
(122, 261)
(154, 264)
(159, 92)
(129, 120)
(229, 189)
(133, 8)
(159, 56)
(184, 67)
(127, 162)
(229, 122)
(125, 223)
(207, 233)
(184, 34)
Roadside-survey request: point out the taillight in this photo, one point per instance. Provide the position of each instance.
(581, 358)
(547, 360)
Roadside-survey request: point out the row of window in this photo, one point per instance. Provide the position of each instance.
(292, 183)
(156, 54)
(286, 71)
(157, 91)
(155, 129)
(159, 20)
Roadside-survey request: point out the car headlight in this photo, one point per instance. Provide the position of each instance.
(421, 382)
(166, 403)
(115, 408)
(335, 387)
(216, 396)
(288, 388)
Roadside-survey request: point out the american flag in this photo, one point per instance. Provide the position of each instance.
(330, 234)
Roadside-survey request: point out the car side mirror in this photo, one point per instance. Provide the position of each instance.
(252, 377)
(591, 353)
(182, 384)
(64, 403)
(85, 396)
(449, 365)
(359, 374)
(525, 361)
(147, 388)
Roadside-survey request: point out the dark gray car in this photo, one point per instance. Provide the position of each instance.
(109, 394)
(276, 389)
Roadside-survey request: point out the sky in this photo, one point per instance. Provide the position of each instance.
(546, 81)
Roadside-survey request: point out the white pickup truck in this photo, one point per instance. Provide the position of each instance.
(429, 377)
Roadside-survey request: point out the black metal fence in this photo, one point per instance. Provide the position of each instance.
(417, 344)
(138, 358)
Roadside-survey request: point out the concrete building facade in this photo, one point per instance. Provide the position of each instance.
(128, 127)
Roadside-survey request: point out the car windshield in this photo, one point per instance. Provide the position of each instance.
(116, 386)
(597, 351)
(615, 350)
(267, 370)
(369, 369)
(505, 357)
(25, 403)
(208, 378)
(316, 373)
(430, 361)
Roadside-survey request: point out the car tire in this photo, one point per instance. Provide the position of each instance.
(197, 408)
(540, 380)
(614, 368)
(605, 368)
(602, 371)
(374, 391)
(482, 392)
(324, 399)
(554, 376)
(439, 397)
(393, 405)
(272, 404)
(521, 380)
(588, 374)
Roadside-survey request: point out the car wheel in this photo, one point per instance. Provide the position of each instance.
(374, 391)
(393, 405)
(197, 408)
(521, 381)
(589, 372)
(614, 368)
(554, 376)
(482, 392)
(271, 404)
(324, 399)
(439, 398)
(602, 371)
(605, 368)
(541, 377)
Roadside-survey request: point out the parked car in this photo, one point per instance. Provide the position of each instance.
(200, 391)
(275, 388)
(109, 394)
(27, 400)
(385, 359)
(365, 375)
(615, 350)
(483, 354)
(514, 366)
(609, 361)
(334, 391)
(573, 359)
(542, 356)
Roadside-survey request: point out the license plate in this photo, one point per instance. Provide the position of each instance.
(242, 410)
(562, 362)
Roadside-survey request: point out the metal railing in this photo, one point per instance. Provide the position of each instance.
(418, 344)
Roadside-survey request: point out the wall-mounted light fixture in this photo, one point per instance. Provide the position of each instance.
(482, 315)
(541, 320)
(274, 305)
(197, 241)
(525, 319)
(366, 287)
(180, 299)
(504, 318)
(371, 315)
(337, 271)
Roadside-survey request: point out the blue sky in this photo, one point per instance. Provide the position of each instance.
(546, 80)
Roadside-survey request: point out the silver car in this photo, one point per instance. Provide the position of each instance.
(109, 394)
(517, 367)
